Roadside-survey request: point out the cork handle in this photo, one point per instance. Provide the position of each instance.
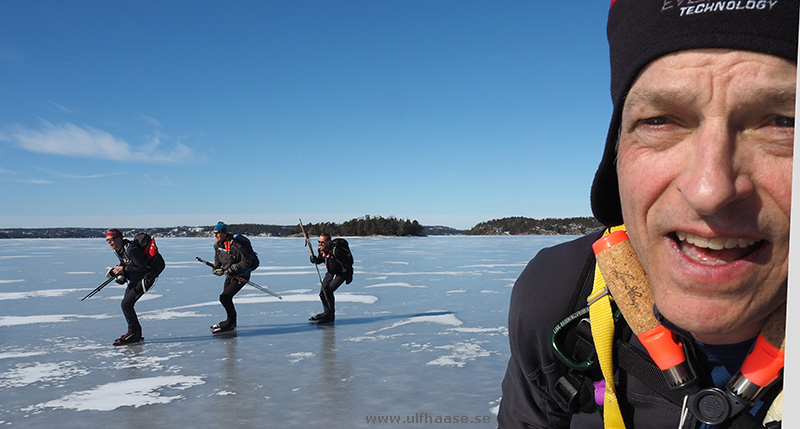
(774, 330)
(626, 280)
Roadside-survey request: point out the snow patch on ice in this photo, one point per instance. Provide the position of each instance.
(495, 409)
(261, 297)
(340, 297)
(457, 291)
(400, 284)
(150, 363)
(373, 337)
(37, 372)
(129, 393)
(47, 318)
(297, 357)
(442, 319)
(519, 264)
(281, 273)
(47, 293)
(499, 330)
(416, 348)
(279, 268)
(296, 291)
(167, 315)
(461, 353)
(17, 355)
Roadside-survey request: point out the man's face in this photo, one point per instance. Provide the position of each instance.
(114, 242)
(705, 169)
(219, 237)
(323, 243)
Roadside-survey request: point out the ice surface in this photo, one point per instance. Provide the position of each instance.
(420, 333)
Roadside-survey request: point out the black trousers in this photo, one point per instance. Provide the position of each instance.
(330, 283)
(231, 288)
(133, 292)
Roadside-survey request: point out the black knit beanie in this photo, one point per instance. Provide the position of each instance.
(640, 31)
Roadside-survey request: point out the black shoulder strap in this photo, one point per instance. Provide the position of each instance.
(635, 363)
(586, 283)
(574, 391)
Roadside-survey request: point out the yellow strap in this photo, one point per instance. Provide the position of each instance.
(602, 322)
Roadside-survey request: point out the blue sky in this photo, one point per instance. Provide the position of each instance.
(144, 114)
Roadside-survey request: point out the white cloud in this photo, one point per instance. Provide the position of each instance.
(61, 108)
(71, 140)
(35, 181)
(152, 121)
(80, 176)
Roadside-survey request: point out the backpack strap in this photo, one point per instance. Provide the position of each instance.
(635, 363)
(602, 318)
(574, 391)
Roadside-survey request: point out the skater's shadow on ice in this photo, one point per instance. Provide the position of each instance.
(342, 321)
(375, 319)
(291, 328)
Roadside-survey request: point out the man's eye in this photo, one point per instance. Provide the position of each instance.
(783, 121)
(658, 120)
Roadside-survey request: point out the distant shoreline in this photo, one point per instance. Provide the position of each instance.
(511, 226)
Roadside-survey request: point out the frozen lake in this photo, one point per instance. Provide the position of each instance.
(420, 337)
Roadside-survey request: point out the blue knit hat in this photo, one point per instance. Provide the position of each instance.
(221, 227)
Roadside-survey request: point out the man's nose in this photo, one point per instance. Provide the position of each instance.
(715, 175)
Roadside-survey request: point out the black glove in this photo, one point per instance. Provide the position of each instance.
(313, 259)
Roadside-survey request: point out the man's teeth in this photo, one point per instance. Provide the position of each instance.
(715, 243)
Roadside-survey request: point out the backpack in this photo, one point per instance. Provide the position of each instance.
(154, 259)
(245, 242)
(342, 253)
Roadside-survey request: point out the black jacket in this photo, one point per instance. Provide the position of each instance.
(552, 287)
(334, 260)
(546, 292)
(132, 258)
(230, 255)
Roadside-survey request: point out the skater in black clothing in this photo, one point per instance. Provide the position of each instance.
(232, 260)
(339, 262)
(134, 270)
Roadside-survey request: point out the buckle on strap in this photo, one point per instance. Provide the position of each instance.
(566, 394)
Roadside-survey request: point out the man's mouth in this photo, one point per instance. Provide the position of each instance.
(715, 251)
